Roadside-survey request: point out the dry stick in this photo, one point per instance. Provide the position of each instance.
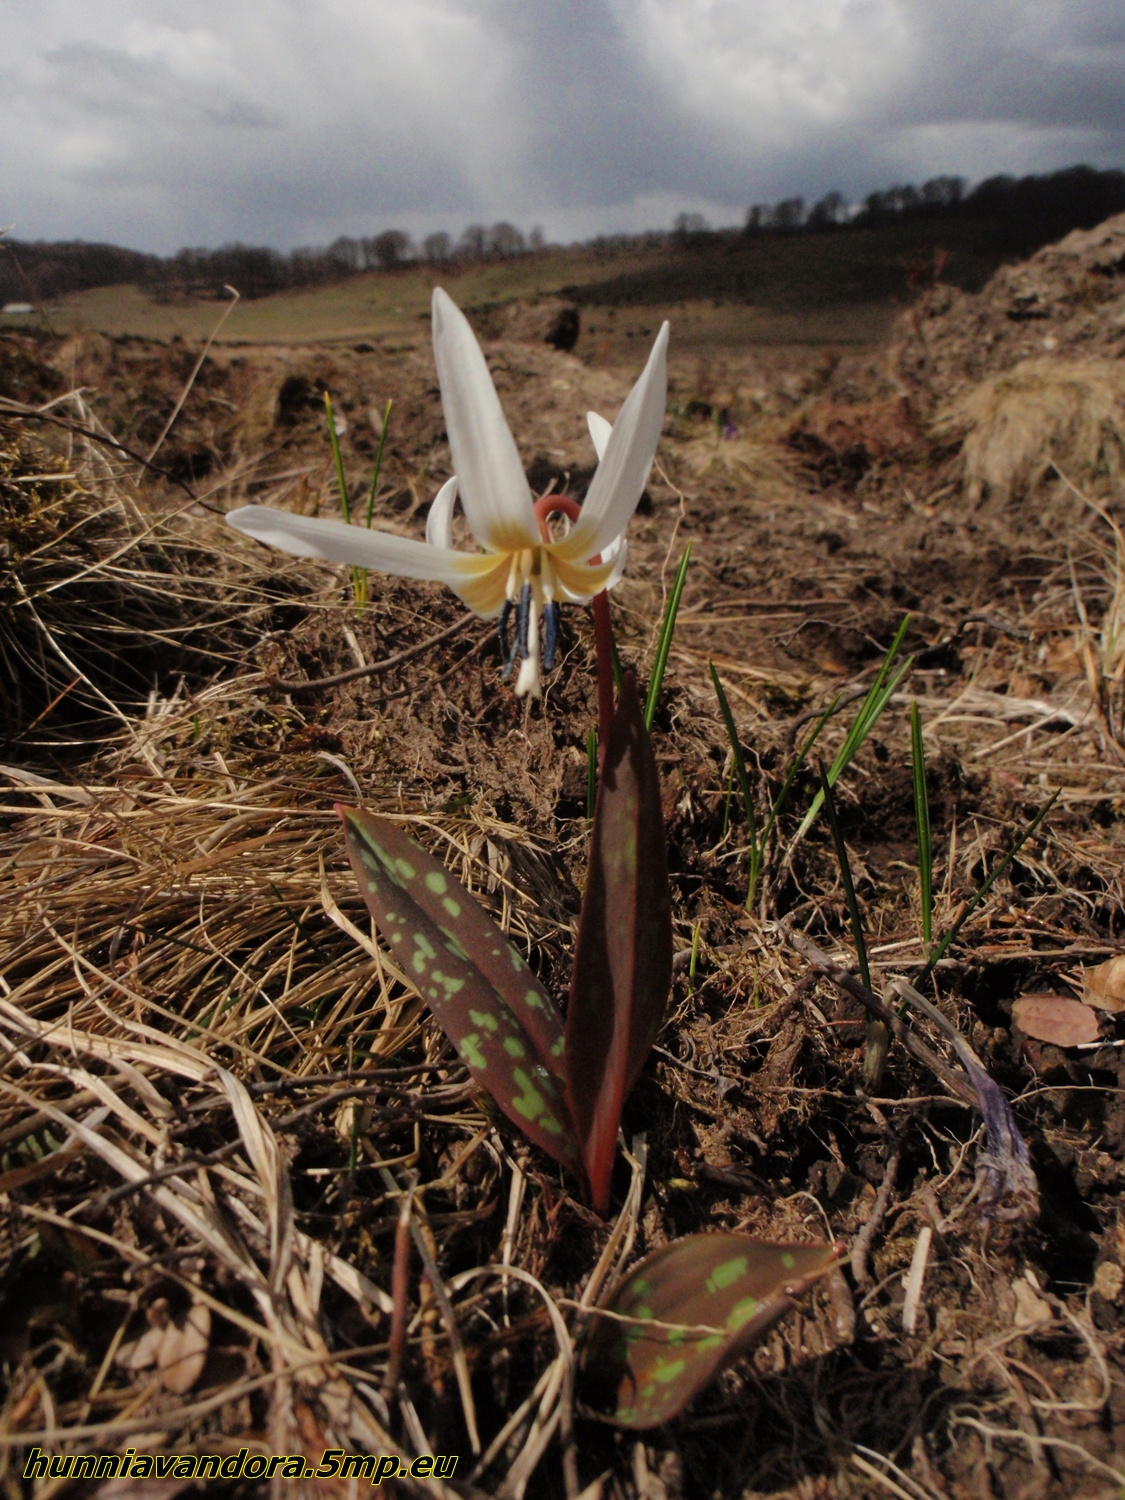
(400, 1292)
(166, 429)
(373, 669)
(457, 1349)
(958, 1083)
(861, 1245)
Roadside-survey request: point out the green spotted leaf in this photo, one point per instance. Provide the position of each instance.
(446, 902)
(623, 960)
(684, 1313)
(459, 961)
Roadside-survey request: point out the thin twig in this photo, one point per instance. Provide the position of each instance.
(958, 1083)
(166, 429)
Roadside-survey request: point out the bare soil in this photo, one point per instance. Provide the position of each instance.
(164, 908)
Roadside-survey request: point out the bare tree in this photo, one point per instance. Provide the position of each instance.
(685, 225)
(505, 240)
(830, 210)
(391, 248)
(789, 214)
(437, 247)
(472, 242)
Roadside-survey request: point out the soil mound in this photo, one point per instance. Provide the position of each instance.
(1026, 379)
(1067, 302)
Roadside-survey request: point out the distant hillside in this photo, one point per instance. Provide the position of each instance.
(788, 255)
(43, 270)
(902, 240)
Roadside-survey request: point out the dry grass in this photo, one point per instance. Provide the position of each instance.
(218, 1091)
(1045, 412)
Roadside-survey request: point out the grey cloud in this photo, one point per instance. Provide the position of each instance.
(291, 121)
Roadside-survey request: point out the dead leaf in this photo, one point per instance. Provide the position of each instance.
(1104, 984)
(143, 1353)
(1050, 1018)
(183, 1351)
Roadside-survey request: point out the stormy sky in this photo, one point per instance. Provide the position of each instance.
(162, 123)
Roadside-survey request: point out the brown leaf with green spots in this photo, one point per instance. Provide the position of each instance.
(623, 961)
(685, 1312)
(491, 1037)
(446, 902)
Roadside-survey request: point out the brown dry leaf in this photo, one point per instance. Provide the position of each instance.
(144, 1352)
(183, 1351)
(1050, 1018)
(1104, 984)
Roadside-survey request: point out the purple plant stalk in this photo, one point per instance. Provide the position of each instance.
(563, 505)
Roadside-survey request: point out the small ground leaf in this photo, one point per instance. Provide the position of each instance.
(683, 1313)
(1053, 1018)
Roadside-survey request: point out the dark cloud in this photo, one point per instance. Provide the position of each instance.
(162, 122)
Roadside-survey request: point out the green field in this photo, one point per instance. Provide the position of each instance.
(725, 291)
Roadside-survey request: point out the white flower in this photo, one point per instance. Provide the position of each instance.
(496, 499)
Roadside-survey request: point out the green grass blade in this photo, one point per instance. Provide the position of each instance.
(359, 575)
(940, 950)
(726, 800)
(337, 457)
(846, 877)
(869, 714)
(664, 644)
(922, 823)
(791, 775)
(378, 464)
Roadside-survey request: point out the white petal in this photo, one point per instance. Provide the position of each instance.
(600, 430)
(494, 488)
(336, 541)
(439, 522)
(617, 553)
(623, 472)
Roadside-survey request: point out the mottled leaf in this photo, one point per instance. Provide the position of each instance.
(491, 1039)
(446, 902)
(1053, 1018)
(683, 1313)
(623, 960)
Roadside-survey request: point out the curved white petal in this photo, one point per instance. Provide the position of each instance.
(336, 541)
(579, 582)
(439, 522)
(623, 472)
(617, 552)
(600, 430)
(494, 488)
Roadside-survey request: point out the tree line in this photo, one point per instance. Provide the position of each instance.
(1015, 216)
(1020, 213)
(41, 270)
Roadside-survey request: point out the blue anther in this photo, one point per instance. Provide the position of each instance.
(502, 627)
(523, 618)
(550, 634)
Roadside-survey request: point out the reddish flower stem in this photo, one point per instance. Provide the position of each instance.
(603, 644)
(563, 505)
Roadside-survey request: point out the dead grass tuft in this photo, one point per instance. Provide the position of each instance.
(220, 1099)
(1044, 412)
